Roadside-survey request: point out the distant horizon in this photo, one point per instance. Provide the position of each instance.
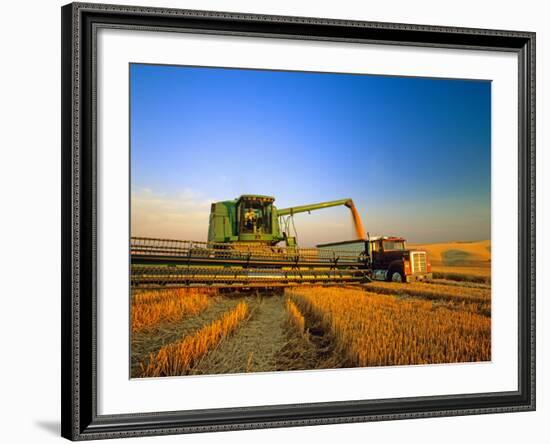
(453, 241)
(413, 153)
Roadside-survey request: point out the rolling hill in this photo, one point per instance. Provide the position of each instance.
(458, 253)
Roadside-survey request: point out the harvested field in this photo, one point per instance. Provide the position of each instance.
(255, 346)
(372, 329)
(454, 297)
(463, 274)
(463, 284)
(150, 340)
(311, 328)
(178, 358)
(153, 307)
(432, 291)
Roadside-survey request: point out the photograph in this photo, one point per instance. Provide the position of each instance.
(296, 220)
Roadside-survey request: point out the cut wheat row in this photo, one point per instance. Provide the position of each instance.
(463, 284)
(295, 318)
(432, 291)
(154, 296)
(372, 329)
(180, 357)
(463, 274)
(153, 307)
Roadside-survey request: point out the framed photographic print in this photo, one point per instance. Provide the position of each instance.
(279, 221)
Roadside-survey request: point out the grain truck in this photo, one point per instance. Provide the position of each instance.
(387, 258)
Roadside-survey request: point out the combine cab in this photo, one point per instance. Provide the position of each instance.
(389, 259)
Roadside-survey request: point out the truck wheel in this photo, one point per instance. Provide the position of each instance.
(396, 276)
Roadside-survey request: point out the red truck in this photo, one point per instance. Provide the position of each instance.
(388, 258)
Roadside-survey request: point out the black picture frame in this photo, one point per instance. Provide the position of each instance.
(79, 209)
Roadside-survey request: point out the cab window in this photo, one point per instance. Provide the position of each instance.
(255, 217)
(394, 245)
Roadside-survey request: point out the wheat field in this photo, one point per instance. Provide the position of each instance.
(432, 291)
(373, 329)
(179, 357)
(150, 308)
(295, 318)
(203, 331)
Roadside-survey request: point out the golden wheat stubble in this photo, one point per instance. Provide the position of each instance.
(153, 307)
(180, 357)
(295, 317)
(373, 329)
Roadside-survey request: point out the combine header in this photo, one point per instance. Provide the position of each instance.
(250, 243)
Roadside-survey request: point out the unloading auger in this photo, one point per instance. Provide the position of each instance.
(250, 243)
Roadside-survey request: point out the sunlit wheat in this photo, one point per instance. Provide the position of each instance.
(153, 307)
(432, 291)
(373, 329)
(295, 318)
(179, 357)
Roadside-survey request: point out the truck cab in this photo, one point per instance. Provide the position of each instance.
(392, 261)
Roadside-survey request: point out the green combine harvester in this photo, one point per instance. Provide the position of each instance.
(254, 219)
(251, 243)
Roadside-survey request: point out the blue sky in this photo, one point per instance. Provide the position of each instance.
(413, 153)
